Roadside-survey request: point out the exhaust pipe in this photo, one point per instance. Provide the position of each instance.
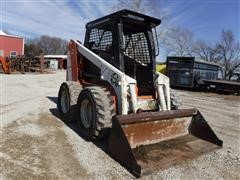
(151, 141)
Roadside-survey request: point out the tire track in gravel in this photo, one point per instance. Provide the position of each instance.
(26, 154)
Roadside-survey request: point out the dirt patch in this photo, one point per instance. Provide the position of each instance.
(232, 98)
(34, 156)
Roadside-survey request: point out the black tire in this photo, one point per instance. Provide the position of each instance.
(67, 105)
(176, 101)
(95, 112)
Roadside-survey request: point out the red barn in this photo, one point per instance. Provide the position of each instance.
(11, 46)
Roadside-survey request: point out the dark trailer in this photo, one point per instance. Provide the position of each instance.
(223, 85)
(188, 72)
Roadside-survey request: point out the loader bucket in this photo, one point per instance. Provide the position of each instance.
(151, 141)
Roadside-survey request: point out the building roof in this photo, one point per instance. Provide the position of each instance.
(55, 56)
(206, 62)
(190, 58)
(2, 33)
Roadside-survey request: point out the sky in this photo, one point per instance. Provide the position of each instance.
(67, 18)
(206, 18)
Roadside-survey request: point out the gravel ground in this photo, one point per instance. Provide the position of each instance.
(35, 144)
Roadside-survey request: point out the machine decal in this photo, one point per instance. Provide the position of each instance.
(115, 79)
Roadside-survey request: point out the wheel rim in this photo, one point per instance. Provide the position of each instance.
(65, 102)
(86, 113)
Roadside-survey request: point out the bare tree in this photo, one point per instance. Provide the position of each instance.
(229, 53)
(179, 42)
(206, 51)
(134, 5)
(30, 49)
(50, 45)
(151, 8)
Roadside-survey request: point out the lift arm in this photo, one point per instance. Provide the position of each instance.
(120, 82)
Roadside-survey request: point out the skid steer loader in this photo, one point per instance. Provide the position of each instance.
(113, 90)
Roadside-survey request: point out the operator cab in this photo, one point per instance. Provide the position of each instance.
(125, 40)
